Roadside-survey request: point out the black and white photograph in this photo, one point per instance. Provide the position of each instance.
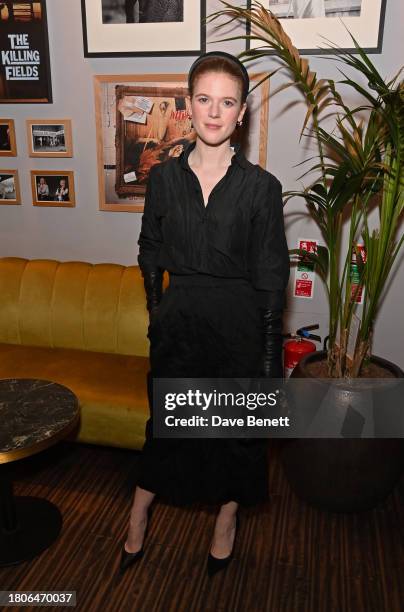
(142, 11)
(8, 146)
(9, 187)
(306, 9)
(126, 28)
(49, 138)
(52, 188)
(315, 24)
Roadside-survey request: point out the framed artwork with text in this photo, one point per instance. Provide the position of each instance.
(24, 53)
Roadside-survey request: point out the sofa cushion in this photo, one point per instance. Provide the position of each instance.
(73, 305)
(111, 388)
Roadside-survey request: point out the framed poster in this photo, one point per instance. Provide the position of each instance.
(144, 119)
(8, 147)
(24, 60)
(9, 187)
(49, 138)
(53, 188)
(143, 27)
(310, 22)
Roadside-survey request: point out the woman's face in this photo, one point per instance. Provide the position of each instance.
(62, 183)
(216, 106)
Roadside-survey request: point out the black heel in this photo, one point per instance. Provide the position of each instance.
(128, 559)
(216, 565)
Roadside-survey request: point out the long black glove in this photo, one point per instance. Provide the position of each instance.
(153, 284)
(272, 361)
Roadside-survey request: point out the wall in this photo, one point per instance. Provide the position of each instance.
(86, 233)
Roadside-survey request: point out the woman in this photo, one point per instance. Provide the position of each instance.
(43, 189)
(215, 222)
(62, 192)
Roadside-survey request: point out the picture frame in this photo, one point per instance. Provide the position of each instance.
(8, 144)
(129, 142)
(311, 33)
(25, 74)
(138, 29)
(9, 187)
(48, 189)
(49, 137)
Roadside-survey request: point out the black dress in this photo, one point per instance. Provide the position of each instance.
(226, 262)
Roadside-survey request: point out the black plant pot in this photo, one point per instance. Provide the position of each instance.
(343, 475)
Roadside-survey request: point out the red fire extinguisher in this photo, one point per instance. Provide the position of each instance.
(298, 347)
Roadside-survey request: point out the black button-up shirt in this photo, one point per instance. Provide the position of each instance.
(239, 234)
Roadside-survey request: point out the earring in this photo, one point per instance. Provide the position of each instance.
(239, 123)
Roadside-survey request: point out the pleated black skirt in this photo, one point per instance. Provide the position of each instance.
(205, 327)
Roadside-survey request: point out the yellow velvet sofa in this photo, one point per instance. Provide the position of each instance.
(84, 326)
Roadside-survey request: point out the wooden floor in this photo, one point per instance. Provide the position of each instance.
(288, 556)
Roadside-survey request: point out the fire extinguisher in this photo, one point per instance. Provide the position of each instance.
(297, 348)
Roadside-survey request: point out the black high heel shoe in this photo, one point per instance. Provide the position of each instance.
(216, 565)
(127, 558)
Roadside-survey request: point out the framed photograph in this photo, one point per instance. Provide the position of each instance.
(53, 188)
(142, 120)
(9, 187)
(49, 138)
(310, 22)
(143, 27)
(8, 147)
(24, 61)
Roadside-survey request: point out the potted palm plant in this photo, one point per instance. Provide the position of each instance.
(358, 168)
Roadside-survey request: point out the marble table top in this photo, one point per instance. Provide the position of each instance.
(33, 415)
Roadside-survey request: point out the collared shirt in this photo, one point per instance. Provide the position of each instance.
(239, 234)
